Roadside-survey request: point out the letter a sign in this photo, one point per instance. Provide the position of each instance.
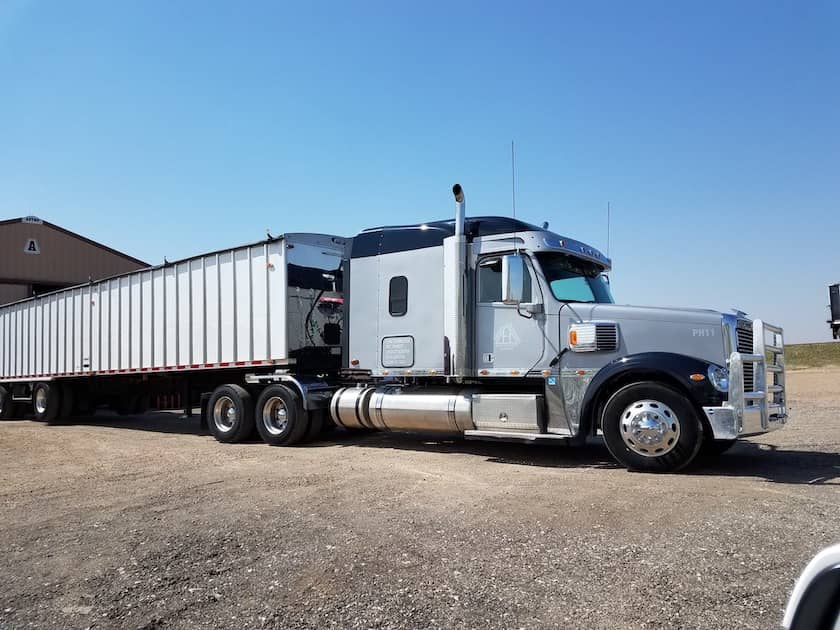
(32, 247)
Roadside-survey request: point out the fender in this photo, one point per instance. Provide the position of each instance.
(670, 368)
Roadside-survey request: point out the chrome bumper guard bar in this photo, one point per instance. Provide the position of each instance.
(764, 408)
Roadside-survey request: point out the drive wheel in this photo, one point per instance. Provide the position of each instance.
(46, 401)
(231, 414)
(281, 419)
(7, 407)
(648, 426)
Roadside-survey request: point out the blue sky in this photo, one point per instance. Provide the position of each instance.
(713, 129)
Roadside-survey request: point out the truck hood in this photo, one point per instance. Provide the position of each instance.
(702, 316)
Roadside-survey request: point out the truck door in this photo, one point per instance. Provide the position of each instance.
(507, 338)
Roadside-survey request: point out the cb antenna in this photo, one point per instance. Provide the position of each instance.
(513, 177)
(513, 193)
(608, 229)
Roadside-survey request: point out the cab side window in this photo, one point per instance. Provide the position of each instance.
(490, 281)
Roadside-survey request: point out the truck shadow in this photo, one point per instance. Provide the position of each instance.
(591, 455)
(745, 459)
(156, 422)
(773, 464)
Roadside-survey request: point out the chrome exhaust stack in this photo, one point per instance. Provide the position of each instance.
(459, 209)
(455, 309)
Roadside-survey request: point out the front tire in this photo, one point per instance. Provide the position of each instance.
(230, 414)
(651, 427)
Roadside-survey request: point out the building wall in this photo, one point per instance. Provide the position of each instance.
(63, 258)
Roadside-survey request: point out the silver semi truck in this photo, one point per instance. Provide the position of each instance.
(486, 327)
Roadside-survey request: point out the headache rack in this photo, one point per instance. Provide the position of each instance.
(757, 381)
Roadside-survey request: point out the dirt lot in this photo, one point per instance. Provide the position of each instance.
(148, 523)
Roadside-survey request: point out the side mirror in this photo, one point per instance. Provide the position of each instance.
(513, 278)
(814, 603)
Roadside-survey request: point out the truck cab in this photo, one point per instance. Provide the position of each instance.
(516, 325)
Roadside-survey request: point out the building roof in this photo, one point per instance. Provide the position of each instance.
(38, 221)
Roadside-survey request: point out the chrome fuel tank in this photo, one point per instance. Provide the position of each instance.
(395, 408)
(349, 407)
(399, 408)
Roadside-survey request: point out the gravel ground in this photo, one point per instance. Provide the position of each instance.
(148, 523)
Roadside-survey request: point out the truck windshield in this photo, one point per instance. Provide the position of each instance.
(574, 280)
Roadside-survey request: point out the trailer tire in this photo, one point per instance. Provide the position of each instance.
(7, 407)
(280, 416)
(46, 401)
(230, 414)
(651, 427)
(68, 400)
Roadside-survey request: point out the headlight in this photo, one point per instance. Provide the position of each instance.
(719, 377)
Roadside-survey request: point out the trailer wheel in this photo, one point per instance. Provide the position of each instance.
(68, 400)
(7, 407)
(648, 426)
(281, 418)
(230, 413)
(46, 401)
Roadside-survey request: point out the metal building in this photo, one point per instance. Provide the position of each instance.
(37, 257)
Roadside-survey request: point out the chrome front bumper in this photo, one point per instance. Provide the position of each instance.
(763, 409)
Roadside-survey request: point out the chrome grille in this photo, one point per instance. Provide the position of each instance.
(744, 332)
(606, 336)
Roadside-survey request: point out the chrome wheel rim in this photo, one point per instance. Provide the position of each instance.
(224, 414)
(41, 401)
(650, 428)
(275, 415)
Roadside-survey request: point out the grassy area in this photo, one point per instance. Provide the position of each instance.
(803, 355)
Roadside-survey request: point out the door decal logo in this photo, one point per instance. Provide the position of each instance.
(506, 337)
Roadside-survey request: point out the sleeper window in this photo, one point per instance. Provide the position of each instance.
(398, 296)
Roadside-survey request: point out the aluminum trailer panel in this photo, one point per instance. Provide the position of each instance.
(225, 309)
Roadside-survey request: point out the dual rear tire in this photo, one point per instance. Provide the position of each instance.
(277, 416)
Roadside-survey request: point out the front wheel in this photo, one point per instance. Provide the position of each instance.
(651, 427)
